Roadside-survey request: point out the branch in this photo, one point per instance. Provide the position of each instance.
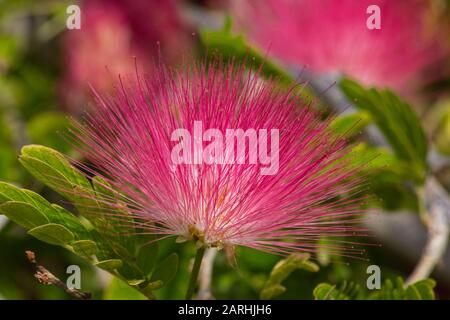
(437, 204)
(47, 278)
(205, 277)
(325, 87)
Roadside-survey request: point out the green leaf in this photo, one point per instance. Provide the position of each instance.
(124, 245)
(396, 120)
(52, 212)
(390, 290)
(350, 125)
(155, 285)
(272, 291)
(109, 265)
(52, 233)
(421, 290)
(387, 176)
(285, 267)
(104, 190)
(441, 115)
(375, 159)
(60, 215)
(235, 46)
(52, 169)
(166, 269)
(146, 257)
(129, 270)
(9, 192)
(23, 214)
(85, 248)
(135, 282)
(345, 291)
(282, 270)
(110, 234)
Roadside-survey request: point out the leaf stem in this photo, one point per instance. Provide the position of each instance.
(194, 273)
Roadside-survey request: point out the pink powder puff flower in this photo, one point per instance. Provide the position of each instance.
(331, 36)
(112, 32)
(129, 138)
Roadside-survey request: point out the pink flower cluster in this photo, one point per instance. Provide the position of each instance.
(314, 193)
(331, 36)
(112, 33)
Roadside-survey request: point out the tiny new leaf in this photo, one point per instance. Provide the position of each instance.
(52, 233)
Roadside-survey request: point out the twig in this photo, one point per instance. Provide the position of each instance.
(437, 206)
(205, 277)
(47, 278)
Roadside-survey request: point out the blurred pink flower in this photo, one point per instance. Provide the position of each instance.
(112, 33)
(128, 138)
(331, 36)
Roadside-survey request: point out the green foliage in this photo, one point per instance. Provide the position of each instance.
(421, 290)
(235, 46)
(93, 236)
(397, 121)
(53, 233)
(346, 291)
(282, 270)
(109, 265)
(30, 210)
(85, 248)
(146, 258)
(23, 214)
(350, 125)
(378, 159)
(387, 176)
(54, 170)
(166, 270)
